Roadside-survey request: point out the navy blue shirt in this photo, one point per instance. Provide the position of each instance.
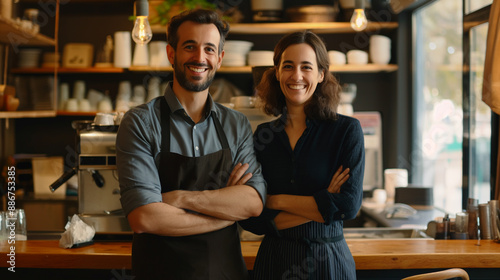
(308, 169)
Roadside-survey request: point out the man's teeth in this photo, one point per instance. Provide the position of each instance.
(199, 70)
(296, 86)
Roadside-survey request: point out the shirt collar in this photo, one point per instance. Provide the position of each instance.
(175, 105)
(282, 120)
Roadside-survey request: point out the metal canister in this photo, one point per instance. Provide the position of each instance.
(485, 220)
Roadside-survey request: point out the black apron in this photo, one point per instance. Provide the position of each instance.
(214, 255)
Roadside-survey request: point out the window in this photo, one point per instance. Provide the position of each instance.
(480, 119)
(439, 94)
(474, 5)
(438, 115)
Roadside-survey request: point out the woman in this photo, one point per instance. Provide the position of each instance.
(302, 154)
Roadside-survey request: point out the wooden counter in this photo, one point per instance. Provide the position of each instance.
(368, 254)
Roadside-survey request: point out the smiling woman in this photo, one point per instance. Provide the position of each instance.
(313, 161)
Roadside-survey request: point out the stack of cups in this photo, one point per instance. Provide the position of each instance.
(394, 178)
(380, 49)
(158, 54)
(123, 49)
(141, 55)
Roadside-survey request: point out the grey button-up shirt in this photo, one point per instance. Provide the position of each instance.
(138, 145)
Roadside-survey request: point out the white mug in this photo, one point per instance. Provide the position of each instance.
(379, 196)
(141, 55)
(337, 58)
(84, 105)
(79, 90)
(380, 49)
(72, 105)
(394, 177)
(63, 95)
(357, 57)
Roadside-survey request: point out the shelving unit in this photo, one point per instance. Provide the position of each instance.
(11, 34)
(366, 68)
(49, 70)
(287, 27)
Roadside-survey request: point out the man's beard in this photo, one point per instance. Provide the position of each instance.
(185, 83)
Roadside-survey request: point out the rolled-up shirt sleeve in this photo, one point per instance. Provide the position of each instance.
(345, 205)
(245, 154)
(137, 170)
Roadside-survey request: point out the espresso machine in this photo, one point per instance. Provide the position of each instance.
(98, 188)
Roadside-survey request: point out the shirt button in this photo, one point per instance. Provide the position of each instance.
(196, 148)
(194, 127)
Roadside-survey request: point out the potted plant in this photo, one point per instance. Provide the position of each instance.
(162, 11)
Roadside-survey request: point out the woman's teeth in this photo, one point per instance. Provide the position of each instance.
(296, 86)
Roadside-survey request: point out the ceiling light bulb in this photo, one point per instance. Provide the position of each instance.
(141, 34)
(358, 20)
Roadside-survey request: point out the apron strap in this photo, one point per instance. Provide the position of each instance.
(165, 134)
(165, 127)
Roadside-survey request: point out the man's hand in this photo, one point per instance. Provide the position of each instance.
(339, 178)
(238, 176)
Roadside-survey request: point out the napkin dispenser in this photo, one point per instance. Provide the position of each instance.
(414, 195)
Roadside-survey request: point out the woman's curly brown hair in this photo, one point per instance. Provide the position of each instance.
(323, 103)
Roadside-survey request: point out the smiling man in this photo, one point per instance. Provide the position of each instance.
(179, 159)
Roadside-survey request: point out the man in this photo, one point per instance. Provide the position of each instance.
(175, 155)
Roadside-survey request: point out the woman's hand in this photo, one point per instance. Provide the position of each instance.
(238, 176)
(339, 178)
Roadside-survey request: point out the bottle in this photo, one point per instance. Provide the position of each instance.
(472, 210)
(446, 227)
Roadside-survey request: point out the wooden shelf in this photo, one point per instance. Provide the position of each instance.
(12, 33)
(367, 68)
(76, 113)
(50, 70)
(27, 114)
(287, 27)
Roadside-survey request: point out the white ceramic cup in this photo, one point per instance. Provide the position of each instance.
(79, 90)
(357, 57)
(123, 49)
(84, 105)
(158, 54)
(72, 105)
(337, 58)
(63, 95)
(105, 105)
(141, 55)
(380, 49)
(124, 91)
(394, 177)
(379, 196)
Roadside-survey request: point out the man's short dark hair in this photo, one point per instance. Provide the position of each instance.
(199, 16)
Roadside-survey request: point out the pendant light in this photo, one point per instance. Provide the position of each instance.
(358, 19)
(142, 34)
